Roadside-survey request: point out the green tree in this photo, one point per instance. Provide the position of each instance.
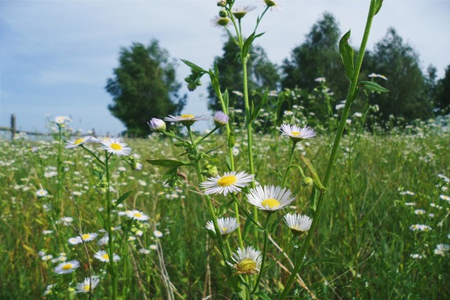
(317, 57)
(408, 96)
(262, 74)
(443, 93)
(144, 86)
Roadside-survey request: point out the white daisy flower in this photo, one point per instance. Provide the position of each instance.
(419, 227)
(67, 267)
(47, 257)
(45, 232)
(78, 142)
(419, 212)
(144, 251)
(226, 225)
(247, 261)
(157, 234)
(441, 249)
(62, 120)
(137, 215)
(444, 197)
(41, 192)
(186, 119)
(87, 285)
(270, 198)
(153, 247)
(75, 240)
(103, 256)
(116, 146)
(272, 4)
(103, 241)
(230, 182)
(298, 223)
(296, 133)
(240, 11)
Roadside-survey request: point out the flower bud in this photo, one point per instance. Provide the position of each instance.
(223, 13)
(192, 86)
(308, 181)
(222, 3)
(220, 119)
(157, 125)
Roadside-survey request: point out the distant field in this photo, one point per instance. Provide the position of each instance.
(384, 233)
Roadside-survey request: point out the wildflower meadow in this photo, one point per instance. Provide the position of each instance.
(266, 204)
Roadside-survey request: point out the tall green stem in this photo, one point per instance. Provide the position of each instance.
(291, 156)
(351, 95)
(112, 266)
(263, 261)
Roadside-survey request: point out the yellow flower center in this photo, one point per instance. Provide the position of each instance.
(105, 256)
(272, 203)
(246, 266)
(116, 146)
(137, 215)
(79, 141)
(85, 236)
(295, 133)
(87, 287)
(67, 267)
(224, 229)
(187, 116)
(227, 180)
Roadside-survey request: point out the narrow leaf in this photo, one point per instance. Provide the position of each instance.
(378, 5)
(372, 86)
(194, 66)
(122, 198)
(347, 55)
(313, 171)
(167, 162)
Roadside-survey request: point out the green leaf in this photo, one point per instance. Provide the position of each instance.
(257, 109)
(194, 67)
(347, 55)
(248, 43)
(372, 86)
(280, 101)
(313, 171)
(167, 162)
(122, 198)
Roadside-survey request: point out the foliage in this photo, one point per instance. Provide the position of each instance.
(262, 74)
(143, 86)
(399, 62)
(317, 57)
(443, 93)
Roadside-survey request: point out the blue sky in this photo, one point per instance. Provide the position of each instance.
(56, 56)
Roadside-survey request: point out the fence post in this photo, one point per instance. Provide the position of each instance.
(13, 126)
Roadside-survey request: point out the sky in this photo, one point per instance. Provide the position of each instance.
(56, 56)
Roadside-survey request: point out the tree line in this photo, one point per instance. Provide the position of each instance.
(145, 84)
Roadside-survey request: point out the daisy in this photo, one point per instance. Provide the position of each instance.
(230, 182)
(116, 146)
(157, 125)
(103, 241)
(157, 233)
(220, 119)
(295, 133)
(62, 120)
(247, 261)
(78, 142)
(87, 285)
(103, 256)
(270, 198)
(444, 197)
(419, 227)
(226, 225)
(240, 11)
(41, 192)
(298, 223)
(441, 249)
(272, 4)
(186, 119)
(219, 22)
(87, 237)
(75, 240)
(137, 215)
(67, 267)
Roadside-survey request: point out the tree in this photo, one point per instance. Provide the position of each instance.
(144, 86)
(408, 95)
(443, 93)
(317, 57)
(262, 73)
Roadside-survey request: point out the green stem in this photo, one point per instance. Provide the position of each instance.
(208, 201)
(206, 135)
(351, 95)
(291, 156)
(109, 230)
(258, 279)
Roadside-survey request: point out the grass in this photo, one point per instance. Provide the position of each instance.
(362, 249)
